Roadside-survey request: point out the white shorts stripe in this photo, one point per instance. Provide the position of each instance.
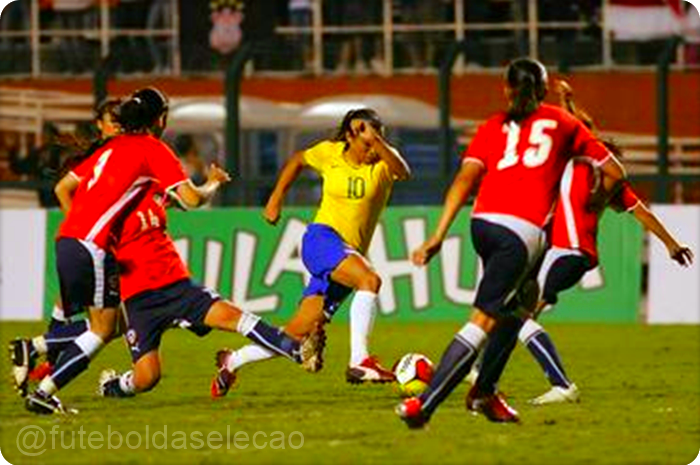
(107, 216)
(98, 263)
(565, 198)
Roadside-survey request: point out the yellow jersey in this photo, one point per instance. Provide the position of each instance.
(353, 197)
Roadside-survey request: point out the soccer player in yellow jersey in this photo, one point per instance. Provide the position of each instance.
(358, 168)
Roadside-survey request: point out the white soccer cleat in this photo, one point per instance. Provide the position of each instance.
(558, 395)
(105, 377)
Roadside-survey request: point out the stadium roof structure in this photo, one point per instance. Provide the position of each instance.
(255, 113)
(395, 111)
(258, 113)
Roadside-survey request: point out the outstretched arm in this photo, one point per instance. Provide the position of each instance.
(678, 252)
(463, 184)
(291, 170)
(190, 196)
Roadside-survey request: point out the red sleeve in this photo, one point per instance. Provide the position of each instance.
(585, 144)
(165, 166)
(625, 199)
(476, 151)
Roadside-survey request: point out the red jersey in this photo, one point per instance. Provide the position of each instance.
(147, 256)
(119, 172)
(524, 161)
(575, 226)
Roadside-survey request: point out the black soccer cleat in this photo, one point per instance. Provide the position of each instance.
(22, 364)
(44, 404)
(108, 385)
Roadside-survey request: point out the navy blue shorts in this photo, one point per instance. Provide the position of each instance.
(88, 276)
(149, 314)
(505, 260)
(561, 270)
(322, 250)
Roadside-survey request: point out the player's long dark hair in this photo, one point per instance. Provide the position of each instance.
(528, 80)
(365, 114)
(140, 112)
(82, 145)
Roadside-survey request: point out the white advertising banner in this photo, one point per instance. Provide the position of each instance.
(674, 291)
(22, 261)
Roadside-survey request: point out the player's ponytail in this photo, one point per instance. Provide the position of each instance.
(140, 112)
(527, 80)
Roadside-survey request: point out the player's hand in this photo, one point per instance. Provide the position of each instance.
(216, 174)
(426, 252)
(681, 254)
(272, 212)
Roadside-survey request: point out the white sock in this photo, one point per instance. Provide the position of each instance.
(47, 386)
(39, 344)
(246, 323)
(362, 311)
(529, 329)
(126, 382)
(90, 343)
(58, 314)
(473, 334)
(248, 354)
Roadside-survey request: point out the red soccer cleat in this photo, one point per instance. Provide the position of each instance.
(369, 370)
(493, 406)
(224, 379)
(43, 370)
(411, 412)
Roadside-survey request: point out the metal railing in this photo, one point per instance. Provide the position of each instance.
(520, 32)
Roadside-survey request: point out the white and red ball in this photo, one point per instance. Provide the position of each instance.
(413, 374)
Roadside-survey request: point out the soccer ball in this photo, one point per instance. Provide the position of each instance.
(413, 374)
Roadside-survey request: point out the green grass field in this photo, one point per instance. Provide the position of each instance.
(640, 404)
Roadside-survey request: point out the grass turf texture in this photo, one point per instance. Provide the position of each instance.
(640, 404)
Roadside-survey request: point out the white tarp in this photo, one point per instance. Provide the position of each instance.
(674, 291)
(22, 261)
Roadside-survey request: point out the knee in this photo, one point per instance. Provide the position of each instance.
(371, 282)
(145, 382)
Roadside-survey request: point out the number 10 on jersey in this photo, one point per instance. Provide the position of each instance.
(356, 187)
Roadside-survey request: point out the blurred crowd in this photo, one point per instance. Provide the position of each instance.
(208, 29)
(46, 163)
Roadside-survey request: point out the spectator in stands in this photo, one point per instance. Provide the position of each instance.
(421, 45)
(187, 152)
(15, 51)
(9, 150)
(352, 47)
(476, 11)
(42, 164)
(131, 51)
(74, 16)
(300, 15)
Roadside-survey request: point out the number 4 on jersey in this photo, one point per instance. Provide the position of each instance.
(540, 144)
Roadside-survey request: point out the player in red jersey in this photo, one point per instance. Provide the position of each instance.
(158, 294)
(574, 251)
(121, 170)
(24, 352)
(518, 156)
